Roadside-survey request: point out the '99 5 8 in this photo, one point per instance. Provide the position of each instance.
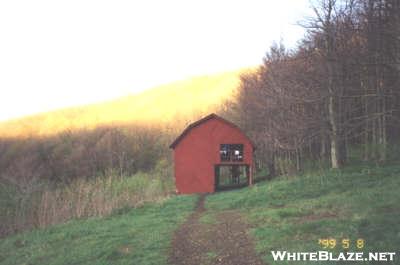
(344, 243)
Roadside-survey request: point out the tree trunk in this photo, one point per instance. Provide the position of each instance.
(334, 134)
(323, 146)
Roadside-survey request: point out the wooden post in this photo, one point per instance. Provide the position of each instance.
(250, 172)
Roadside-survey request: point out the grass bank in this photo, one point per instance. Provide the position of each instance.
(293, 213)
(137, 236)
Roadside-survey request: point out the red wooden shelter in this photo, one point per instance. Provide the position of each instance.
(212, 154)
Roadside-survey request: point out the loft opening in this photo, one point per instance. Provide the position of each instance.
(231, 152)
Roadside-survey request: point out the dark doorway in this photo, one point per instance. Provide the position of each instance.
(231, 176)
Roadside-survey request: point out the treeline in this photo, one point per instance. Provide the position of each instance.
(338, 88)
(123, 150)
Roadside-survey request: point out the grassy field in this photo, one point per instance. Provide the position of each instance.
(292, 214)
(138, 236)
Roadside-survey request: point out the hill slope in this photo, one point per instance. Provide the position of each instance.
(177, 100)
(292, 214)
(359, 203)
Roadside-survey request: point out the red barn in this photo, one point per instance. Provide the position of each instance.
(212, 154)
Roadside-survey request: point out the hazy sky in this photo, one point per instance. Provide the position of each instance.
(61, 53)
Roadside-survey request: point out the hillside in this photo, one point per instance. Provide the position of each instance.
(289, 213)
(178, 100)
(298, 214)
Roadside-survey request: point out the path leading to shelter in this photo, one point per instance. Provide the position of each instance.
(220, 239)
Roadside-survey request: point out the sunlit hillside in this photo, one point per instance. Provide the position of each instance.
(177, 100)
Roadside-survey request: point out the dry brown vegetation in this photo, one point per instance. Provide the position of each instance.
(50, 180)
(43, 204)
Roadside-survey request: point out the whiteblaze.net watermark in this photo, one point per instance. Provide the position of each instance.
(329, 256)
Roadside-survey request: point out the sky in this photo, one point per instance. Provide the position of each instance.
(56, 54)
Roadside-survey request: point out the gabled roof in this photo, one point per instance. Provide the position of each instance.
(197, 123)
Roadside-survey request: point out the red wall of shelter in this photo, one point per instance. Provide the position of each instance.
(196, 154)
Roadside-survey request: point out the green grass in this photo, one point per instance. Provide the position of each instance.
(293, 213)
(211, 256)
(208, 219)
(138, 236)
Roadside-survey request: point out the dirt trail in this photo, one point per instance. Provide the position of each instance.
(222, 240)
